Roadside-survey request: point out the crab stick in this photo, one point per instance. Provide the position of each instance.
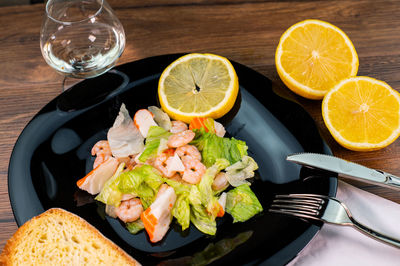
(222, 204)
(143, 120)
(157, 217)
(201, 122)
(94, 181)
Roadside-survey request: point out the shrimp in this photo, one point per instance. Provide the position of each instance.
(178, 126)
(181, 139)
(125, 197)
(194, 171)
(129, 162)
(162, 165)
(101, 147)
(220, 181)
(177, 177)
(129, 210)
(102, 151)
(188, 152)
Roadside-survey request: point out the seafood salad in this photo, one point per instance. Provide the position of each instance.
(151, 170)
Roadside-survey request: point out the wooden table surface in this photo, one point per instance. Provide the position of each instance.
(244, 31)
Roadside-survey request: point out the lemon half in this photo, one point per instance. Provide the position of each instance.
(198, 85)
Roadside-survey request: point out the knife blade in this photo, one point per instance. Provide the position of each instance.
(345, 168)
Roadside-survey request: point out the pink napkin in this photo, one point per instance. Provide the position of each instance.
(344, 245)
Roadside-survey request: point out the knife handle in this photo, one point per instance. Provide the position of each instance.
(386, 179)
(391, 180)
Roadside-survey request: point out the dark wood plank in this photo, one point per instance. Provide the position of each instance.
(245, 31)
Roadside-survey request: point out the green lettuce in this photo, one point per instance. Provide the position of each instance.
(213, 147)
(237, 173)
(135, 227)
(179, 187)
(110, 194)
(181, 211)
(143, 181)
(195, 196)
(242, 203)
(132, 180)
(204, 204)
(153, 140)
(206, 192)
(202, 220)
(146, 194)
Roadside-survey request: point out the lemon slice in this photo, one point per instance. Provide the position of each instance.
(362, 113)
(198, 85)
(313, 56)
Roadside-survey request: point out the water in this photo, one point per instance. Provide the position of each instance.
(83, 51)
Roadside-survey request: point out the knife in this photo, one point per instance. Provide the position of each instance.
(345, 168)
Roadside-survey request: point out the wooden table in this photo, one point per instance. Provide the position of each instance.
(244, 31)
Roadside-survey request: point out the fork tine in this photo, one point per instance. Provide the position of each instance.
(308, 203)
(298, 204)
(312, 197)
(294, 213)
(304, 208)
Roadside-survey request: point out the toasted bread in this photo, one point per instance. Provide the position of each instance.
(58, 237)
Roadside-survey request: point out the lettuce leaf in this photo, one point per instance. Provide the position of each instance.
(195, 196)
(242, 203)
(146, 194)
(135, 227)
(204, 204)
(181, 211)
(131, 181)
(153, 139)
(213, 147)
(206, 192)
(143, 181)
(204, 222)
(110, 194)
(237, 173)
(179, 187)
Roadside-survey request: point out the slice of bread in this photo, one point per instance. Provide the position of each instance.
(58, 237)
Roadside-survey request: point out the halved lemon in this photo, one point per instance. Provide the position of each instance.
(362, 113)
(198, 85)
(312, 56)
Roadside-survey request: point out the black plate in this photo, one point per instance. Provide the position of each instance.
(53, 152)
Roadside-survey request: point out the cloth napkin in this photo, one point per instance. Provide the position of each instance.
(344, 245)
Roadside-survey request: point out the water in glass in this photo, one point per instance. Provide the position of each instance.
(81, 38)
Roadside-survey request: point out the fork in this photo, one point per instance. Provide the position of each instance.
(326, 209)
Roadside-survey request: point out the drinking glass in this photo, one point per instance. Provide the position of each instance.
(81, 38)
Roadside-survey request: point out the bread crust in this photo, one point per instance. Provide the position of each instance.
(22, 234)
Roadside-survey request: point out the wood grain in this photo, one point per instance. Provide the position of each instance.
(244, 31)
